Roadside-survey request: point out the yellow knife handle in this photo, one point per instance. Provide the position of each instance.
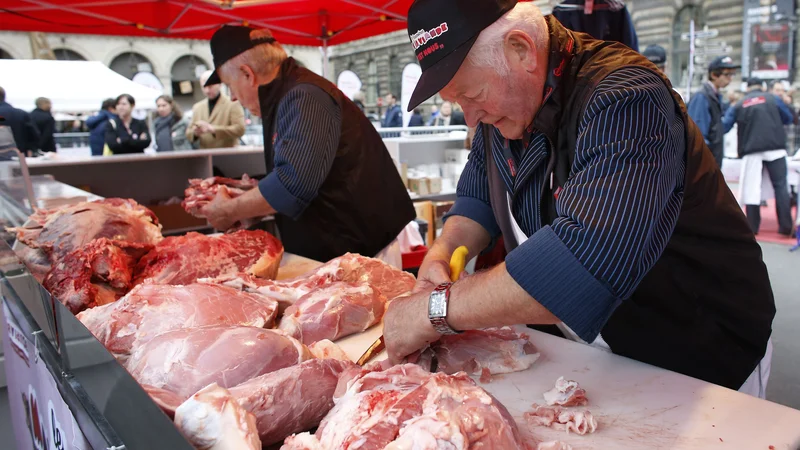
(458, 261)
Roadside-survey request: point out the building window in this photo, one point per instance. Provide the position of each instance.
(185, 75)
(65, 54)
(395, 75)
(372, 82)
(679, 61)
(129, 64)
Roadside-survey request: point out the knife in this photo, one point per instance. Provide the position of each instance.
(458, 260)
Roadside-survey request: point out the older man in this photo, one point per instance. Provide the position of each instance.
(628, 237)
(330, 179)
(217, 121)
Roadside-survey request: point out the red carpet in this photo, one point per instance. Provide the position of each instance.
(769, 226)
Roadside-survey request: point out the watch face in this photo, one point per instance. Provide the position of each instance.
(437, 306)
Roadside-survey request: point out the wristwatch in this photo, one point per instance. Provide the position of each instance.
(437, 309)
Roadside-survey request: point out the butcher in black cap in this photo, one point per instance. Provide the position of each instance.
(656, 55)
(705, 106)
(330, 180)
(620, 231)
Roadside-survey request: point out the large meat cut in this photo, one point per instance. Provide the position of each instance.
(406, 407)
(186, 360)
(286, 401)
(217, 422)
(56, 233)
(336, 310)
(97, 273)
(201, 191)
(184, 259)
(492, 350)
(151, 309)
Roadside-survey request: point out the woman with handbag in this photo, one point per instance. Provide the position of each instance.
(170, 126)
(124, 133)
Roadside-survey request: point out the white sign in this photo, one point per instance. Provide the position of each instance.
(349, 83)
(411, 74)
(149, 80)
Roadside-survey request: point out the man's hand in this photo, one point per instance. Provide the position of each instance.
(202, 127)
(406, 327)
(432, 274)
(219, 212)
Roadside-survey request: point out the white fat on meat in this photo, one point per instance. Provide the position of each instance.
(569, 420)
(151, 309)
(553, 445)
(326, 349)
(217, 421)
(566, 393)
(406, 407)
(498, 350)
(334, 311)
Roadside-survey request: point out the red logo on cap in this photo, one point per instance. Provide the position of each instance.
(422, 37)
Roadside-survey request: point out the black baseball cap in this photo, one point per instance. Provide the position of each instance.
(231, 41)
(722, 62)
(442, 33)
(656, 54)
(755, 81)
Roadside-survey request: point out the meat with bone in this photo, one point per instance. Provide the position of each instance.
(558, 418)
(406, 407)
(217, 421)
(498, 350)
(566, 393)
(350, 267)
(201, 191)
(184, 361)
(326, 349)
(97, 273)
(286, 401)
(151, 309)
(58, 232)
(334, 311)
(184, 259)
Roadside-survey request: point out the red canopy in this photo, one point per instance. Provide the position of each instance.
(297, 22)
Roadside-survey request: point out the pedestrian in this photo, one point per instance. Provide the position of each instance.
(97, 125)
(45, 123)
(619, 229)
(394, 114)
(705, 106)
(217, 121)
(416, 119)
(760, 118)
(124, 134)
(26, 135)
(170, 126)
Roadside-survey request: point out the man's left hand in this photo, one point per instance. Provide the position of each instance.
(219, 212)
(406, 327)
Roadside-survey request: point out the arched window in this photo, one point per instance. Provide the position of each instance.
(65, 54)
(372, 82)
(129, 64)
(185, 74)
(679, 60)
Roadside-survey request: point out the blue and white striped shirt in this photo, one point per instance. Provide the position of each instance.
(615, 213)
(308, 129)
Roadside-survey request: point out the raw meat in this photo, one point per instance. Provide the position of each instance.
(406, 407)
(555, 417)
(201, 191)
(184, 361)
(184, 259)
(217, 421)
(98, 273)
(333, 311)
(326, 349)
(566, 393)
(151, 309)
(500, 350)
(553, 445)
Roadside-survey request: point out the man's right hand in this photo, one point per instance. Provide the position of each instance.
(431, 274)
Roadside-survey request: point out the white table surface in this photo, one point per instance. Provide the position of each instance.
(55, 160)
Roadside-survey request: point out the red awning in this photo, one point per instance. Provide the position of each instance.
(297, 22)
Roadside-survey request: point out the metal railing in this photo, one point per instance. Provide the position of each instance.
(68, 140)
(421, 132)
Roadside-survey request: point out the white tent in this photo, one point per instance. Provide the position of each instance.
(72, 86)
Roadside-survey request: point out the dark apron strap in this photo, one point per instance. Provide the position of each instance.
(497, 193)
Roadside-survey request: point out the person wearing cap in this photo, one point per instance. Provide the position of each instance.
(705, 106)
(619, 227)
(760, 118)
(217, 121)
(330, 180)
(656, 55)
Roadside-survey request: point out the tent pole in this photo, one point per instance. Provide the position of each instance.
(325, 58)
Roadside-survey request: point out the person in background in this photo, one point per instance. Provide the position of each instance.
(779, 90)
(358, 99)
(760, 117)
(394, 114)
(45, 123)
(26, 136)
(97, 125)
(170, 126)
(656, 55)
(416, 119)
(217, 121)
(705, 106)
(434, 115)
(124, 134)
(448, 117)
